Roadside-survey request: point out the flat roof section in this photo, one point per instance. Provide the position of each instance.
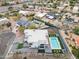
(36, 37)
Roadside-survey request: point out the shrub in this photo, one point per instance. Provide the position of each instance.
(1, 15)
(75, 52)
(20, 45)
(76, 30)
(22, 28)
(25, 6)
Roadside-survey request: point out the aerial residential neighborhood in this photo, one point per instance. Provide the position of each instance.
(39, 29)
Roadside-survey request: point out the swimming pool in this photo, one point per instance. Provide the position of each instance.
(54, 43)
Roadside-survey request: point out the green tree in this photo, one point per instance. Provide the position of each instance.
(54, 5)
(30, 16)
(1, 15)
(8, 24)
(5, 4)
(77, 14)
(7, 14)
(25, 58)
(10, 8)
(16, 14)
(25, 6)
(76, 30)
(20, 45)
(21, 29)
(72, 2)
(51, 1)
(75, 51)
(32, 26)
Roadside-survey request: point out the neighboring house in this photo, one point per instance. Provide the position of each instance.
(20, 1)
(52, 15)
(68, 21)
(36, 37)
(76, 20)
(77, 41)
(22, 23)
(11, 2)
(3, 20)
(23, 12)
(75, 9)
(40, 15)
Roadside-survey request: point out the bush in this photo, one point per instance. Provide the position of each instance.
(8, 24)
(10, 8)
(16, 14)
(76, 30)
(22, 28)
(75, 51)
(25, 6)
(20, 45)
(72, 2)
(1, 15)
(77, 14)
(5, 4)
(54, 5)
(32, 26)
(6, 14)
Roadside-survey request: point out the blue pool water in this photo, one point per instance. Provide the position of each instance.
(54, 43)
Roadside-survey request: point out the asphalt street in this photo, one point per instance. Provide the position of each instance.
(6, 38)
(5, 8)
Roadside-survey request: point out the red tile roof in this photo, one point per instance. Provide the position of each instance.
(77, 41)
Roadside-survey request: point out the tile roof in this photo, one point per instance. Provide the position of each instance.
(77, 40)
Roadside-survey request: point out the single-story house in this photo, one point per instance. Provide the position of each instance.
(22, 23)
(49, 16)
(76, 39)
(4, 20)
(52, 15)
(26, 12)
(40, 15)
(75, 9)
(36, 37)
(11, 2)
(76, 19)
(68, 21)
(23, 12)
